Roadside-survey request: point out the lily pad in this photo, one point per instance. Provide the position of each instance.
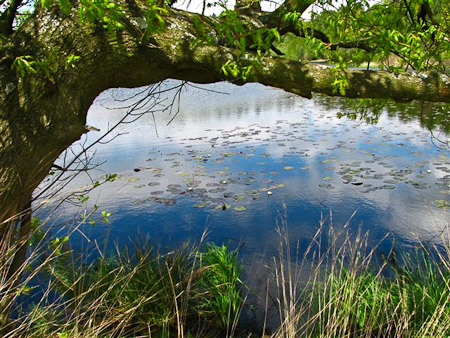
(328, 160)
(128, 178)
(239, 208)
(441, 204)
(221, 206)
(239, 197)
(216, 190)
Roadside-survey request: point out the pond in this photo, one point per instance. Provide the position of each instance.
(236, 160)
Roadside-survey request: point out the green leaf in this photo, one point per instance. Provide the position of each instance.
(65, 5)
(47, 3)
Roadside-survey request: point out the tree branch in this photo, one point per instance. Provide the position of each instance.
(8, 16)
(299, 6)
(360, 44)
(276, 18)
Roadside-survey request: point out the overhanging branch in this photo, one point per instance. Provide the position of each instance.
(8, 16)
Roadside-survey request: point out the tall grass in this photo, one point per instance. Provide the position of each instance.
(351, 292)
(137, 291)
(340, 287)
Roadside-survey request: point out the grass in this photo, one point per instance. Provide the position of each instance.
(351, 292)
(130, 292)
(142, 292)
(221, 276)
(340, 287)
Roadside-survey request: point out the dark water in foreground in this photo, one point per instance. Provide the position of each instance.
(228, 164)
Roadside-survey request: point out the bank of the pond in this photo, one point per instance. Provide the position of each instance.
(341, 289)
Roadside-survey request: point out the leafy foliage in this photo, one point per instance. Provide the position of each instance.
(415, 31)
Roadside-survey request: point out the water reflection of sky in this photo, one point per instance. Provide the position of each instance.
(226, 151)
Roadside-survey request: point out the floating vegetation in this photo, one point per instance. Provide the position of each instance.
(221, 206)
(328, 160)
(442, 204)
(128, 178)
(167, 201)
(265, 189)
(227, 167)
(216, 190)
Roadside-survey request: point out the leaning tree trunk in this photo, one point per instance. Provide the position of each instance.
(44, 112)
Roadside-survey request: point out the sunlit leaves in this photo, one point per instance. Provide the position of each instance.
(293, 17)
(28, 65)
(234, 70)
(65, 5)
(154, 18)
(235, 31)
(340, 83)
(25, 64)
(72, 60)
(397, 34)
(106, 12)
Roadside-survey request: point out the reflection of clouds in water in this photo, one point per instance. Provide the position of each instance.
(264, 119)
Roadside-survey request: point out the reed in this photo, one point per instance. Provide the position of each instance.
(351, 291)
(136, 291)
(340, 287)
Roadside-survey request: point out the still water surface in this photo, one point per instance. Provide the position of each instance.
(228, 163)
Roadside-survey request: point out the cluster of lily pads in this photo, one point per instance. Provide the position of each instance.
(213, 170)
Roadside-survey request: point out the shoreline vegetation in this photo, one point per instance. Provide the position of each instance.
(339, 287)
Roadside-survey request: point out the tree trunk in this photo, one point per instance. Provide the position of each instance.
(44, 113)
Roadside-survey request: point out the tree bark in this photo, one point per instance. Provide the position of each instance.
(42, 115)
